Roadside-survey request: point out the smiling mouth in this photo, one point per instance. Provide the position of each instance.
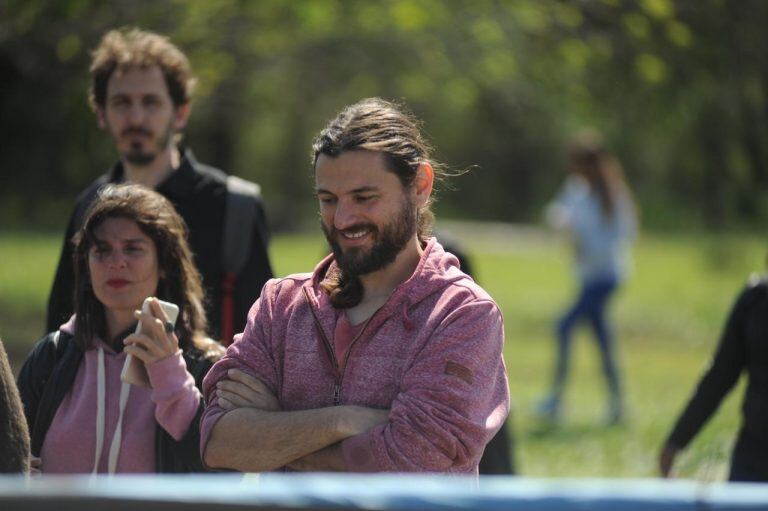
(354, 235)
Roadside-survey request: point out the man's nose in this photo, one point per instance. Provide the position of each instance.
(345, 216)
(136, 114)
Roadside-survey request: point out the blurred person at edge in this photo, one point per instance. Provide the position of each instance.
(14, 438)
(82, 417)
(499, 455)
(141, 91)
(387, 357)
(743, 348)
(596, 208)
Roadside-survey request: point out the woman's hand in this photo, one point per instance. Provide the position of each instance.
(240, 390)
(35, 466)
(156, 340)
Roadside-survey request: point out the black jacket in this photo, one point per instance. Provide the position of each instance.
(198, 192)
(743, 348)
(48, 374)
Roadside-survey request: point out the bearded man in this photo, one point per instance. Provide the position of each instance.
(387, 357)
(141, 91)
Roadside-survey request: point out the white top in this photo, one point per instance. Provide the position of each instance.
(601, 243)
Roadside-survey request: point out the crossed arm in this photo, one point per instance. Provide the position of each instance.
(255, 435)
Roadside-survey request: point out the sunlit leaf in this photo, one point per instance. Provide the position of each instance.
(660, 9)
(531, 16)
(637, 25)
(651, 68)
(409, 15)
(487, 32)
(679, 34)
(498, 65)
(575, 52)
(568, 15)
(460, 93)
(67, 47)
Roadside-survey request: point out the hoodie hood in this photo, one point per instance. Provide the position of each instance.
(435, 270)
(69, 326)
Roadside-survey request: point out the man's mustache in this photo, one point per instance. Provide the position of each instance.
(357, 227)
(137, 130)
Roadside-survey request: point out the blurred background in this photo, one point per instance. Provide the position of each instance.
(679, 88)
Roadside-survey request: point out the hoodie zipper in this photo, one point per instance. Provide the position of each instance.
(351, 345)
(328, 351)
(339, 375)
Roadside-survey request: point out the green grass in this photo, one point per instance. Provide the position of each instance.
(26, 274)
(668, 318)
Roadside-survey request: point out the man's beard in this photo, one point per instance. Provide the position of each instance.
(140, 157)
(388, 243)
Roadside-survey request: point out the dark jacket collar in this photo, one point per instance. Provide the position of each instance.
(179, 183)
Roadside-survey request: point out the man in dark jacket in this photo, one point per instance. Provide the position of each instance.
(141, 90)
(742, 350)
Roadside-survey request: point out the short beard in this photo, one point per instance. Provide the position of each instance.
(388, 243)
(141, 158)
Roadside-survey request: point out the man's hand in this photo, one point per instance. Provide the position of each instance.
(255, 435)
(35, 466)
(329, 459)
(667, 459)
(241, 390)
(355, 420)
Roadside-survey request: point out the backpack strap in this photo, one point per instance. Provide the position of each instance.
(239, 220)
(239, 217)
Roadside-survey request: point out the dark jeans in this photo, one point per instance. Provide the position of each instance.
(750, 459)
(590, 306)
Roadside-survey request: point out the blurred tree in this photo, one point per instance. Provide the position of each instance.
(680, 87)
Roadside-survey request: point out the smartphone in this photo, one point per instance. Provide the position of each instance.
(134, 371)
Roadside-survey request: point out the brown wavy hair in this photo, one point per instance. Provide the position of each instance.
(128, 48)
(374, 124)
(590, 159)
(179, 283)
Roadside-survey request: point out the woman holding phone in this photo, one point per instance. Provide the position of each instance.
(82, 417)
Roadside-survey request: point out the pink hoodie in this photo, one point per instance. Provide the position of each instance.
(431, 354)
(70, 442)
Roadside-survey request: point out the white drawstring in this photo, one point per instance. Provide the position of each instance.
(99, 410)
(114, 448)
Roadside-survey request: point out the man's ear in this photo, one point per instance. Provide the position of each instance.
(101, 117)
(181, 116)
(422, 183)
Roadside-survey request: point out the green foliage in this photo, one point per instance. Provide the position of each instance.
(668, 320)
(678, 87)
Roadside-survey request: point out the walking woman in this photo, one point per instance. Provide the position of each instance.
(82, 417)
(595, 206)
